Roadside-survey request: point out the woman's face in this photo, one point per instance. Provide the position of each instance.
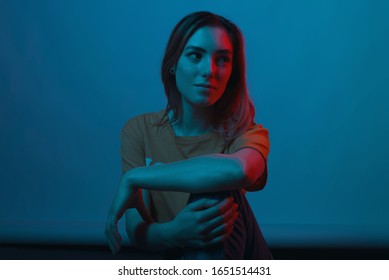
(204, 67)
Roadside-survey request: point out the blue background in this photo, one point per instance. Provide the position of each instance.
(73, 72)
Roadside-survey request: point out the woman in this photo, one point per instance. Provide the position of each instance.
(186, 169)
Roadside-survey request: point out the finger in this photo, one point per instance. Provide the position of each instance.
(220, 219)
(218, 235)
(220, 238)
(201, 204)
(226, 204)
(114, 245)
(112, 234)
(216, 210)
(111, 243)
(230, 213)
(214, 241)
(220, 225)
(113, 229)
(223, 229)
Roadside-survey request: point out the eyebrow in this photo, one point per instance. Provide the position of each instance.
(203, 50)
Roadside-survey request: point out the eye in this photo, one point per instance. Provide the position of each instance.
(195, 56)
(223, 59)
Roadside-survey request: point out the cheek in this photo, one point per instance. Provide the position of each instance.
(182, 79)
(225, 76)
(184, 72)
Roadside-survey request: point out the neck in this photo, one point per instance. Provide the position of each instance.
(193, 122)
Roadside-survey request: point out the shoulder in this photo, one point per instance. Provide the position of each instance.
(256, 136)
(255, 132)
(142, 122)
(256, 129)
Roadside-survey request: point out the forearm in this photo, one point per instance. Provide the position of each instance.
(211, 173)
(147, 236)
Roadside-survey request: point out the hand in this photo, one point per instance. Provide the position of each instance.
(126, 197)
(204, 222)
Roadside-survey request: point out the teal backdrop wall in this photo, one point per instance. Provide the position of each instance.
(73, 72)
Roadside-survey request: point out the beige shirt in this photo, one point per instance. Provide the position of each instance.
(143, 143)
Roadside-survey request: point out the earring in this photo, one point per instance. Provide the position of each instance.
(172, 71)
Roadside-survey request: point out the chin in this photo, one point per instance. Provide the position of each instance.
(205, 103)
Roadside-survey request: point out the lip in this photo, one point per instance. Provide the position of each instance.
(205, 86)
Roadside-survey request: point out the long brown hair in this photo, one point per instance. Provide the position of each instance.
(234, 111)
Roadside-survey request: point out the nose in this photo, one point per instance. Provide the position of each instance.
(208, 68)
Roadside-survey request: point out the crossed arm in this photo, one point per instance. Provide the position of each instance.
(216, 172)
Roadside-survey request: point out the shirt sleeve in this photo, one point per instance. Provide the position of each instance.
(132, 150)
(256, 137)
